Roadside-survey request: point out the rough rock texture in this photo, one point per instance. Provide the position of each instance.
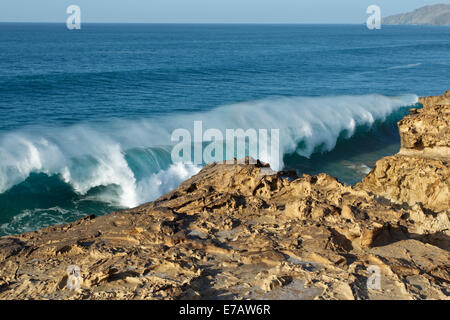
(411, 180)
(420, 172)
(438, 14)
(435, 100)
(238, 231)
(426, 132)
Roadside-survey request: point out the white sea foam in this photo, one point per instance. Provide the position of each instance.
(88, 156)
(406, 66)
(29, 220)
(164, 181)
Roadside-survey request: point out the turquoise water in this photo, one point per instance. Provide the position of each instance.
(86, 116)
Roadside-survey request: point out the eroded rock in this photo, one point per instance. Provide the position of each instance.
(235, 232)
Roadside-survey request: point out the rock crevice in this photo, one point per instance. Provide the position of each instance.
(420, 172)
(235, 232)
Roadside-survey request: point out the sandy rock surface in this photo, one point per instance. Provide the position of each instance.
(420, 172)
(240, 231)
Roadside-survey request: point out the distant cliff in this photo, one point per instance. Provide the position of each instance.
(438, 14)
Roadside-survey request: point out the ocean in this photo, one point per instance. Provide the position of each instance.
(86, 115)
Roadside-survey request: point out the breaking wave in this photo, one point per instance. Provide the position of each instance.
(126, 163)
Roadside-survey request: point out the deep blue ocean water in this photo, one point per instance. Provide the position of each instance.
(86, 115)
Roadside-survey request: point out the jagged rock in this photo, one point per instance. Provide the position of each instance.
(435, 100)
(241, 231)
(411, 180)
(420, 172)
(426, 132)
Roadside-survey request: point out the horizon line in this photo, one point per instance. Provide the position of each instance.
(128, 22)
(221, 23)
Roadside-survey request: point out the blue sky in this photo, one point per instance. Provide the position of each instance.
(205, 11)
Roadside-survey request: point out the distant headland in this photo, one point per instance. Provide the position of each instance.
(438, 14)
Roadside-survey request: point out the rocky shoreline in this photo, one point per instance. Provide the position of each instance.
(236, 232)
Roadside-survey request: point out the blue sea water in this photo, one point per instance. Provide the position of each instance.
(86, 115)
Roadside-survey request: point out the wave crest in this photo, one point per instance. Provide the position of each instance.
(135, 155)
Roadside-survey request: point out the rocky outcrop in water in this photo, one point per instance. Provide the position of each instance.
(419, 173)
(241, 231)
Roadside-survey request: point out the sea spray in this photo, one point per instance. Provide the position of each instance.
(125, 163)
